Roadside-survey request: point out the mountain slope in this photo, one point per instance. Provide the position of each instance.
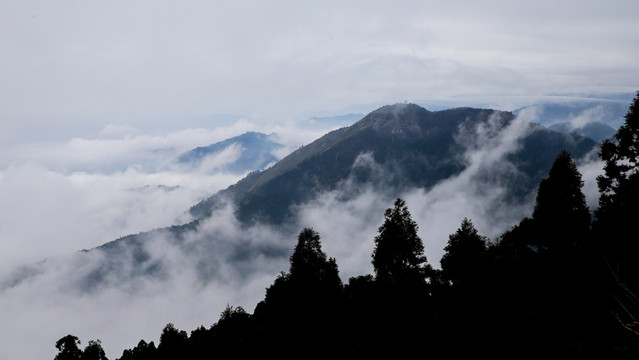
(413, 146)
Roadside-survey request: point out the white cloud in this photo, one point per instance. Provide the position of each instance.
(118, 130)
(45, 213)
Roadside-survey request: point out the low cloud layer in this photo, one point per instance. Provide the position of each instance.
(58, 197)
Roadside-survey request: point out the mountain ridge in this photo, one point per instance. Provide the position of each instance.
(403, 137)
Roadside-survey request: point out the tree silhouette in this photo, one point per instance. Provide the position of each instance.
(309, 264)
(621, 159)
(464, 259)
(94, 351)
(546, 268)
(398, 256)
(311, 277)
(560, 222)
(172, 343)
(619, 198)
(143, 351)
(68, 348)
(301, 307)
(561, 213)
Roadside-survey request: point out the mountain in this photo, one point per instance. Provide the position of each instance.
(253, 151)
(413, 148)
(579, 113)
(594, 130)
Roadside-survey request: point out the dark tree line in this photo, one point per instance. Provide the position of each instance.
(557, 285)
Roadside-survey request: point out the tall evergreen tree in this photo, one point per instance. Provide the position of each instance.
(310, 265)
(619, 198)
(561, 213)
(398, 256)
(560, 222)
(464, 259)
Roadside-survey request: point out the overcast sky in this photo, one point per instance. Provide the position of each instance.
(71, 68)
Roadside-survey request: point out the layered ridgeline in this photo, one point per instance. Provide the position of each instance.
(393, 150)
(408, 147)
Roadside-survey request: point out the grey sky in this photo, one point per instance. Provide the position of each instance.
(73, 67)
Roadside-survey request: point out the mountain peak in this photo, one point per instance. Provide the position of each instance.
(400, 118)
(399, 110)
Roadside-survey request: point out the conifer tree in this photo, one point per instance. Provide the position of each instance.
(312, 276)
(619, 198)
(561, 214)
(398, 256)
(463, 260)
(310, 265)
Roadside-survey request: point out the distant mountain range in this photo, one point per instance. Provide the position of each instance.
(597, 119)
(594, 130)
(255, 152)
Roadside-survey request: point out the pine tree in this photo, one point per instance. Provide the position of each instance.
(310, 265)
(619, 198)
(464, 257)
(561, 214)
(312, 278)
(398, 256)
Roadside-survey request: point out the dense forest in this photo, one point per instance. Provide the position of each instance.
(562, 283)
